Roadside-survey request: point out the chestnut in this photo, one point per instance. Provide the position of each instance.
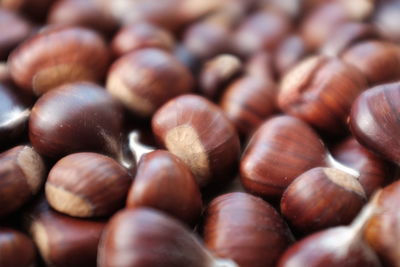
(374, 120)
(386, 18)
(87, 185)
(246, 229)
(320, 90)
(248, 101)
(81, 13)
(382, 231)
(199, 133)
(374, 171)
(145, 237)
(217, 73)
(154, 72)
(321, 198)
(14, 29)
(291, 51)
(22, 172)
(338, 246)
(16, 249)
(73, 118)
(141, 35)
(261, 65)
(57, 56)
(282, 148)
(63, 241)
(34, 9)
(378, 61)
(165, 183)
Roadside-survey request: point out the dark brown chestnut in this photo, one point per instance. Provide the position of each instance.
(199, 133)
(81, 13)
(374, 120)
(374, 171)
(34, 9)
(248, 101)
(321, 198)
(320, 90)
(63, 241)
(217, 73)
(246, 229)
(16, 249)
(87, 185)
(158, 77)
(338, 246)
(14, 30)
(57, 56)
(165, 183)
(22, 173)
(378, 61)
(141, 35)
(281, 149)
(290, 51)
(73, 118)
(145, 237)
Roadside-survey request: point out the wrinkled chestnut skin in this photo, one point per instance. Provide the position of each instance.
(16, 249)
(246, 229)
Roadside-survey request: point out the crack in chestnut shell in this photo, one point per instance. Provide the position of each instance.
(281, 149)
(199, 133)
(375, 120)
(16, 249)
(73, 118)
(246, 229)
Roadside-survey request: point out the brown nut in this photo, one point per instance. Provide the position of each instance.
(159, 76)
(165, 183)
(290, 52)
(16, 249)
(58, 56)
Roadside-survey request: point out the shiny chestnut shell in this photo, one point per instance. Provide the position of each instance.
(16, 249)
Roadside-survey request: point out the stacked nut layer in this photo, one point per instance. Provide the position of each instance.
(199, 133)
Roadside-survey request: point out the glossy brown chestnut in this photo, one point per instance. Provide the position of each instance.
(291, 51)
(248, 101)
(374, 120)
(14, 30)
(374, 171)
(165, 183)
(246, 229)
(22, 174)
(145, 237)
(81, 13)
(320, 91)
(73, 118)
(338, 246)
(217, 73)
(64, 241)
(87, 185)
(159, 76)
(58, 56)
(141, 35)
(382, 231)
(16, 249)
(321, 198)
(378, 61)
(199, 133)
(281, 149)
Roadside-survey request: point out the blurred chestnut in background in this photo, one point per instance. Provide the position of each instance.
(57, 56)
(378, 61)
(246, 229)
(261, 65)
(145, 237)
(320, 90)
(374, 172)
(14, 29)
(387, 17)
(141, 35)
(321, 198)
(76, 117)
(22, 173)
(374, 120)
(87, 185)
(281, 149)
(199, 133)
(145, 79)
(16, 249)
(34, 9)
(165, 183)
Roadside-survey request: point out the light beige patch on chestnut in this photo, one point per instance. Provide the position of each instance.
(345, 180)
(33, 167)
(41, 238)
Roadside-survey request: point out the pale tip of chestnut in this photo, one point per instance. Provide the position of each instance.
(33, 167)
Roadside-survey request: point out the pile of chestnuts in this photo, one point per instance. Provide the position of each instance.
(199, 133)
